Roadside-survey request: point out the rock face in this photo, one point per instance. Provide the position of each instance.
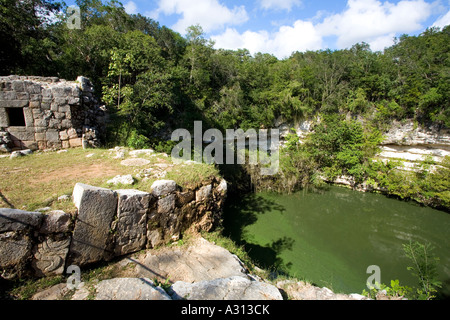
(233, 288)
(201, 261)
(91, 235)
(49, 113)
(305, 291)
(129, 289)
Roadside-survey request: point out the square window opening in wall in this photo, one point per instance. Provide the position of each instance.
(16, 117)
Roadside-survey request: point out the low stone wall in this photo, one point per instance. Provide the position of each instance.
(108, 223)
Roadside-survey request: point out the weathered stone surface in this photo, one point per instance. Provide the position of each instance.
(15, 248)
(305, 291)
(91, 235)
(131, 225)
(233, 288)
(198, 262)
(184, 198)
(55, 222)
(16, 220)
(126, 180)
(129, 289)
(50, 256)
(56, 292)
(50, 107)
(203, 193)
(136, 153)
(163, 187)
(166, 204)
(135, 162)
(154, 238)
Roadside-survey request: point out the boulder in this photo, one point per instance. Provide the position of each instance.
(163, 187)
(91, 235)
(125, 180)
(233, 288)
(56, 221)
(200, 261)
(15, 249)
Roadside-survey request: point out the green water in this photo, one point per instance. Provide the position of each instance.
(331, 238)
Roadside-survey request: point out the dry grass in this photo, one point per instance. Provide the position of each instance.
(37, 180)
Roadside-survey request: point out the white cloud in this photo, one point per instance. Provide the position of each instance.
(210, 14)
(443, 21)
(130, 7)
(374, 21)
(279, 4)
(301, 36)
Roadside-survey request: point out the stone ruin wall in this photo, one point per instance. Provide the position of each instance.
(41, 113)
(107, 224)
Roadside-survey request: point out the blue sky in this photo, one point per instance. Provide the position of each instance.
(280, 27)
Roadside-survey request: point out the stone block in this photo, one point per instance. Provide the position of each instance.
(78, 142)
(65, 144)
(39, 136)
(31, 87)
(8, 95)
(49, 256)
(131, 226)
(55, 222)
(54, 124)
(40, 123)
(52, 136)
(19, 220)
(72, 133)
(32, 145)
(34, 104)
(4, 121)
(64, 108)
(22, 96)
(184, 198)
(163, 187)
(91, 235)
(17, 85)
(203, 193)
(34, 97)
(166, 204)
(15, 249)
(21, 134)
(28, 115)
(46, 93)
(63, 135)
(13, 103)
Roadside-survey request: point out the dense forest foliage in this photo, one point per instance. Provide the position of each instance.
(154, 80)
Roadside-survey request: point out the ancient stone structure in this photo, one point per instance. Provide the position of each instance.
(49, 113)
(108, 223)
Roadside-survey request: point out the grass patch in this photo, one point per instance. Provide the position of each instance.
(37, 180)
(25, 289)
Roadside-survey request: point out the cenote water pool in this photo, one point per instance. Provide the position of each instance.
(331, 238)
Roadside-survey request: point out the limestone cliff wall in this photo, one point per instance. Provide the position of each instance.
(108, 223)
